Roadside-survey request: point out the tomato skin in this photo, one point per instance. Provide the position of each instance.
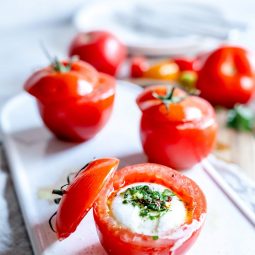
(188, 128)
(47, 85)
(77, 120)
(184, 64)
(138, 65)
(120, 240)
(226, 77)
(74, 105)
(90, 180)
(101, 49)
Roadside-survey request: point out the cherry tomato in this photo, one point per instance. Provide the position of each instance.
(162, 71)
(101, 49)
(184, 64)
(138, 65)
(176, 130)
(80, 195)
(227, 77)
(75, 101)
(118, 239)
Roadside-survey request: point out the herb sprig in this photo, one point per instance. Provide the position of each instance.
(241, 118)
(152, 204)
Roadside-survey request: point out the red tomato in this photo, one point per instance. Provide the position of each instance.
(75, 101)
(184, 64)
(138, 65)
(226, 77)
(101, 49)
(118, 239)
(80, 195)
(177, 131)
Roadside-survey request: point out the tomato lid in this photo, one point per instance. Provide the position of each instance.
(179, 108)
(80, 195)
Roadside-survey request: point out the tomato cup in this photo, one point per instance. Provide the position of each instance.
(117, 239)
(176, 129)
(101, 183)
(74, 100)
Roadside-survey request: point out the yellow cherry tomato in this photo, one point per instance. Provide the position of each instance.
(163, 71)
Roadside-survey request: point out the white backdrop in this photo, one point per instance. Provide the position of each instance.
(20, 13)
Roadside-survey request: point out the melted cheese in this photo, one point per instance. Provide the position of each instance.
(128, 215)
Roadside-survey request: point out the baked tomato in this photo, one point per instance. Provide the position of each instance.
(78, 196)
(137, 188)
(227, 77)
(176, 129)
(75, 101)
(101, 49)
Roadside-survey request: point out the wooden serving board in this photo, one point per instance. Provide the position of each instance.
(235, 147)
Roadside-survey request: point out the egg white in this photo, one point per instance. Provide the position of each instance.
(128, 215)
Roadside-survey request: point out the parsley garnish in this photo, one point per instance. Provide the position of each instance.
(152, 204)
(241, 118)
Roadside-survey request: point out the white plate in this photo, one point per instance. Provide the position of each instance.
(39, 161)
(164, 28)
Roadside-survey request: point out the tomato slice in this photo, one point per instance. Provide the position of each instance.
(81, 194)
(117, 239)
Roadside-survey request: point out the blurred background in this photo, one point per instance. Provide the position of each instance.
(25, 23)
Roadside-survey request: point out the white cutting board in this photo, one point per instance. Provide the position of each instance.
(39, 161)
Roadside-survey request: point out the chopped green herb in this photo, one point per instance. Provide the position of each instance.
(241, 118)
(152, 204)
(155, 237)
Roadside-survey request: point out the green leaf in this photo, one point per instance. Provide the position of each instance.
(241, 118)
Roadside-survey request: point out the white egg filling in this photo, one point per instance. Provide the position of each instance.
(131, 214)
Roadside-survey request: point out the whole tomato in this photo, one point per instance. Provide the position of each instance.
(176, 129)
(164, 70)
(101, 49)
(75, 101)
(184, 64)
(138, 65)
(227, 77)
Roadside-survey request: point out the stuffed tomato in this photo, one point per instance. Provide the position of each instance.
(74, 100)
(149, 209)
(176, 129)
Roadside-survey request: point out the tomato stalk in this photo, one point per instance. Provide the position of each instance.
(168, 98)
(60, 67)
(57, 65)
